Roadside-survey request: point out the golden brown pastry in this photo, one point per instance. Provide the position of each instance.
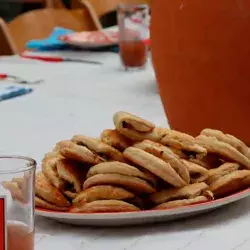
(19, 181)
(105, 206)
(57, 148)
(233, 141)
(102, 192)
(136, 128)
(196, 172)
(46, 205)
(15, 190)
(155, 165)
(69, 171)
(139, 202)
(115, 139)
(78, 153)
(104, 150)
(231, 183)
(48, 192)
(54, 153)
(209, 161)
(187, 192)
(131, 183)
(224, 169)
(70, 194)
(225, 150)
(49, 168)
(179, 153)
(20, 187)
(181, 203)
(209, 194)
(64, 174)
(167, 155)
(25, 185)
(124, 120)
(184, 142)
(120, 168)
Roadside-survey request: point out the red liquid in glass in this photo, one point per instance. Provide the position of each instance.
(19, 238)
(133, 53)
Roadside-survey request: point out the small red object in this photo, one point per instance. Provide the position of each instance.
(58, 59)
(2, 224)
(3, 76)
(44, 58)
(18, 79)
(147, 42)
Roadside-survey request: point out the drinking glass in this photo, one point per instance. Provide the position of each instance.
(17, 175)
(133, 22)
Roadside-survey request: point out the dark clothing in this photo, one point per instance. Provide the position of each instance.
(10, 10)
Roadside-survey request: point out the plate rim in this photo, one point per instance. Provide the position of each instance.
(90, 45)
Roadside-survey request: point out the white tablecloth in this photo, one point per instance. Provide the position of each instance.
(81, 98)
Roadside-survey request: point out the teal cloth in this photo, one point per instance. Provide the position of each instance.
(52, 42)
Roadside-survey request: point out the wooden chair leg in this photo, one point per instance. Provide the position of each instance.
(92, 13)
(54, 4)
(7, 43)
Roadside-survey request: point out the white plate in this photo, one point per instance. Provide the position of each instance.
(93, 39)
(136, 218)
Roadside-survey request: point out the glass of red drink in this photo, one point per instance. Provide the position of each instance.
(133, 22)
(17, 175)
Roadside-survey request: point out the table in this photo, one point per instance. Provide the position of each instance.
(81, 98)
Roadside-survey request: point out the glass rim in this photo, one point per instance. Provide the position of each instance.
(31, 166)
(131, 5)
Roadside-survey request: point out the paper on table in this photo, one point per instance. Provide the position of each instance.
(8, 91)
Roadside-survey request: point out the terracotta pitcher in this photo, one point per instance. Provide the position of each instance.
(201, 55)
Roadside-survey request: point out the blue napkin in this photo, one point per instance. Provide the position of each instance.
(8, 91)
(52, 42)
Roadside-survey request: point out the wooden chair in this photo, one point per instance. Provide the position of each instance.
(99, 8)
(46, 3)
(38, 24)
(7, 45)
(74, 4)
(54, 4)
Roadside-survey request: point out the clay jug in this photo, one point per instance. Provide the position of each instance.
(201, 55)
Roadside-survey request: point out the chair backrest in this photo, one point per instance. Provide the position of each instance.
(99, 8)
(103, 7)
(7, 45)
(38, 24)
(54, 4)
